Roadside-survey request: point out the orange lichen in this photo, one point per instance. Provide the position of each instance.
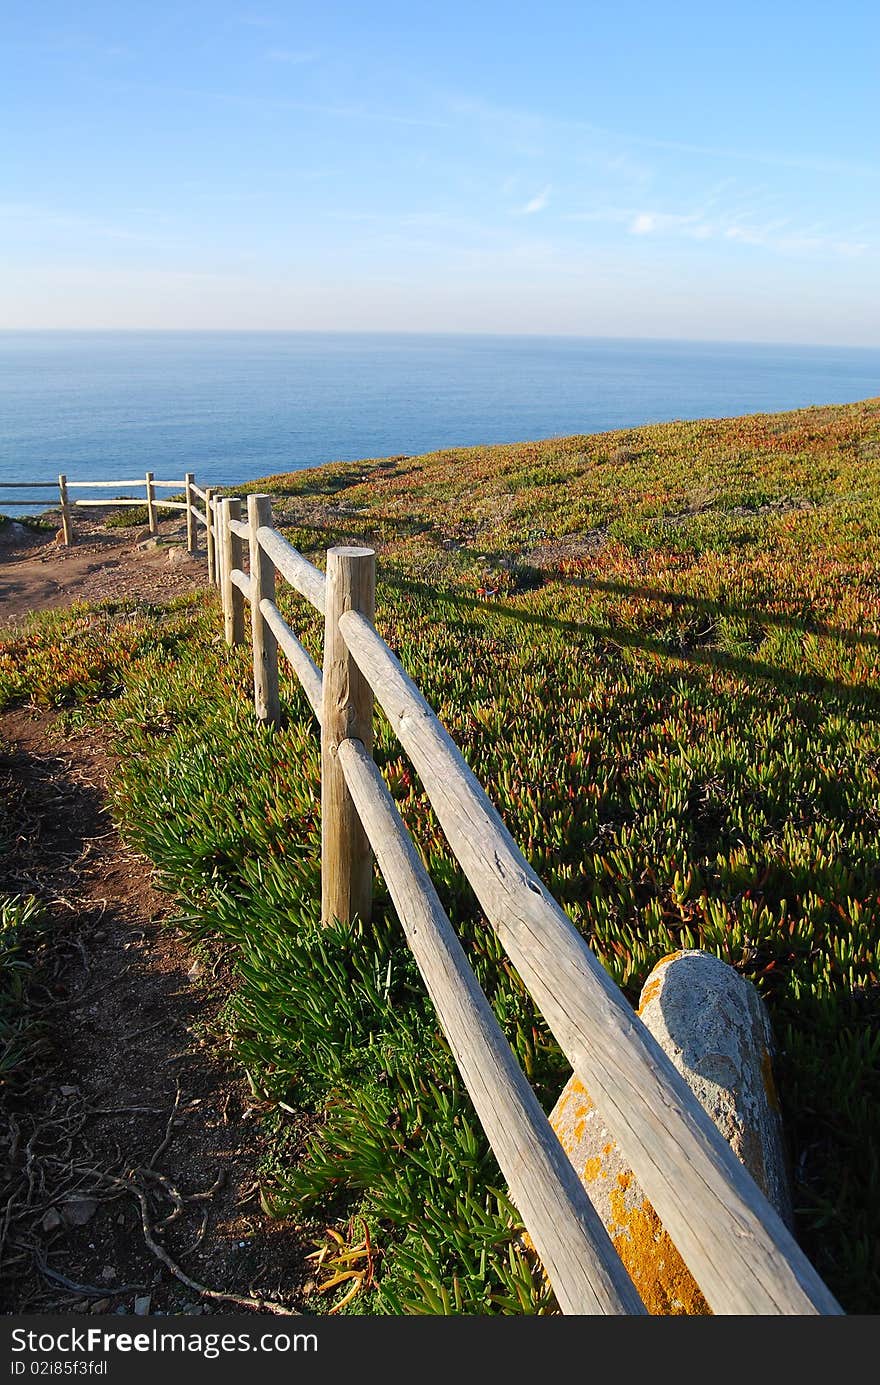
(577, 1088)
(655, 1266)
(769, 1081)
(593, 1170)
(619, 1210)
(569, 1142)
(655, 981)
(663, 1280)
(651, 990)
(575, 1106)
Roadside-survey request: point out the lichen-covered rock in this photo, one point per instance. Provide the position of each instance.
(713, 1026)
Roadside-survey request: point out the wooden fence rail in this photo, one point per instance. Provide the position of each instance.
(732, 1240)
(734, 1243)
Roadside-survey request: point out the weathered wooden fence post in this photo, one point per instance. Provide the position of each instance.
(266, 704)
(66, 526)
(231, 549)
(210, 534)
(220, 521)
(347, 713)
(191, 544)
(152, 519)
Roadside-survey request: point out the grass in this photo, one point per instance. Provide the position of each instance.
(38, 523)
(660, 652)
(136, 516)
(22, 1037)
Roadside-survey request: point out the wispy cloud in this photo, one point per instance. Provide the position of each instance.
(778, 234)
(536, 204)
(35, 220)
(236, 100)
(542, 132)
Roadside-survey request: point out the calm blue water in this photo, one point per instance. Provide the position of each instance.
(234, 406)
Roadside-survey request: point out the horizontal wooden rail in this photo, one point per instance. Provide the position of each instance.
(106, 485)
(574, 1246)
(242, 581)
(91, 485)
(200, 518)
(128, 500)
(302, 575)
(239, 527)
(200, 493)
(303, 665)
(734, 1243)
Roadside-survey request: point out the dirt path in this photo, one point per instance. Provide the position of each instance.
(37, 573)
(135, 1142)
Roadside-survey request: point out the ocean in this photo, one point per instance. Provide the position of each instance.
(232, 406)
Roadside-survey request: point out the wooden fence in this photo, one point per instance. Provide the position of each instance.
(148, 484)
(732, 1240)
(735, 1245)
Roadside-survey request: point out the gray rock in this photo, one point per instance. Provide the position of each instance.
(147, 546)
(12, 533)
(142, 1306)
(78, 1211)
(108, 1274)
(51, 1221)
(179, 557)
(713, 1026)
(100, 1305)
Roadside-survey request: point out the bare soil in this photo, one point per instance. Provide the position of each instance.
(130, 1158)
(37, 572)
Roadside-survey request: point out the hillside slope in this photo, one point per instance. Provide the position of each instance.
(660, 652)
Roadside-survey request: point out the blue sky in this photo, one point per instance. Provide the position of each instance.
(625, 169)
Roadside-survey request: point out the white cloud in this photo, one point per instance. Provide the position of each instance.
(777, 235)
(643, 224)
(537, 204)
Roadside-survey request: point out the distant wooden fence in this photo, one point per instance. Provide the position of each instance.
(148, 484)
(732, 1240)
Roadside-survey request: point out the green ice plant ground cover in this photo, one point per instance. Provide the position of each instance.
(660, 653)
